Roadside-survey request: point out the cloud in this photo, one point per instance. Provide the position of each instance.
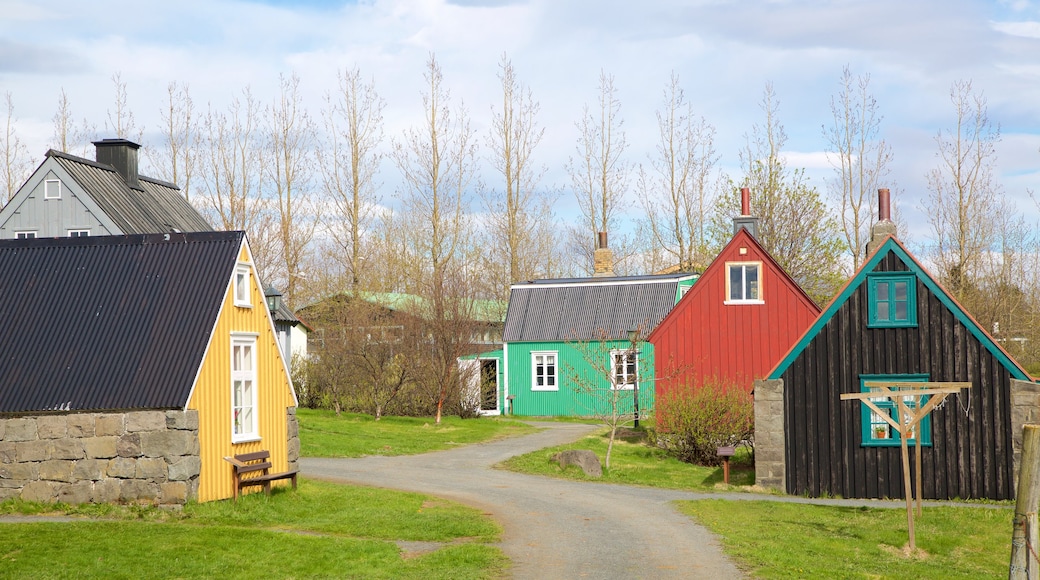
(1027, 29)
(25, 58)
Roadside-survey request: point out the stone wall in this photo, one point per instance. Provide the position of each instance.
(292, 432)
(147, 457)
(1025, 410)
(770, 467)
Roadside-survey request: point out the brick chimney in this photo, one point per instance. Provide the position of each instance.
(745, 220)
(602, 258)
(121, 154)
(885, 226)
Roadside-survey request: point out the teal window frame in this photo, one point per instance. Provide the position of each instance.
(881, 296)
(868, 422)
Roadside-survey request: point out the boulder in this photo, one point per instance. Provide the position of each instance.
(583, 458)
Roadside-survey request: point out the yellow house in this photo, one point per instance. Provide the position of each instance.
(142, 361)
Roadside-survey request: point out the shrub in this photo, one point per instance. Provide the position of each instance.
(692, 423)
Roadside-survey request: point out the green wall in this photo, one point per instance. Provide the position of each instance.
(574, 366)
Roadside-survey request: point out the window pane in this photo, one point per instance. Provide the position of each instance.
(736, 283)
(900, 288)
(751, 275)
(900, 311)
(882, 311)
(881, 291)
(247, 357)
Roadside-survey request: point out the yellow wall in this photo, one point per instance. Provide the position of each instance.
(212, 393)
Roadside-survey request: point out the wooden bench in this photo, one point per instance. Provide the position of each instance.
(257, 466)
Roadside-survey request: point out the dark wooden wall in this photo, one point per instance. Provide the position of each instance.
(971, 454)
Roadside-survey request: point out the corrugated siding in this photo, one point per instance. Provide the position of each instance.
(212, 396)
(705, 340)
(573, 362)
(971, 452)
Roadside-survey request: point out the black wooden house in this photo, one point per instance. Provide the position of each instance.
(893, 321)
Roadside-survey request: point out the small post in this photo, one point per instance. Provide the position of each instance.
(725, 453)
(1024, 536)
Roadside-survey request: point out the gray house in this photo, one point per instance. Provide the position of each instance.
(69, 196)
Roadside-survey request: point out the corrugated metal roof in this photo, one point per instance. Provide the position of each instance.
(108, 322)
(588, 308)
(159, 208)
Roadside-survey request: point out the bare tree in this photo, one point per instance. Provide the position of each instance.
(676, 192)
(291, 151)
(16, 164)
(860, 159)
(599, 173)
(354, 123)
(180, 128)
(66, 135)
(121, 118)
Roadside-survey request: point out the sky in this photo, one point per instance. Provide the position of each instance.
(724, 53)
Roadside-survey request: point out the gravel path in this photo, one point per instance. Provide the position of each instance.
(552, 528)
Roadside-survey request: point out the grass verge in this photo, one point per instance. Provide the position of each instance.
(324, 434)
(321, 530)
(780, 540)
(636, 463)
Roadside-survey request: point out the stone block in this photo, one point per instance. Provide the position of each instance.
(100, 447)
(19, 471)
(14, 483)
(167, 444)
(183, 420)
(42, 491)
(66, 449)
(135, 490)
(129, 445)
(82, 425)
(76, 493)
(106, 425)
(583, 458)
(3, 429)
(52, 426)
(8, 493)
(8, 452)
(107, 490)
(32, 451)
(294, 449)
(23, 429)
(122, 467)
(151, 468)
(173, 492)
(57, 470)
(90, 469)
(143, 421)
(185, 468)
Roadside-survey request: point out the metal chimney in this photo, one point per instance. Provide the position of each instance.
(885, 226)
(745, 220)
(122, 155)
(602, 258)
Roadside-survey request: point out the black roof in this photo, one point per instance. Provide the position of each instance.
(159, 208)
(566, 309)
(109, 322)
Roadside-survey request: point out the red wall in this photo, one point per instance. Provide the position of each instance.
(704, 339)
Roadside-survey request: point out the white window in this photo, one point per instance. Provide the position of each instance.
(241, 288)
(52, 189)
(543, 371)
(744, 282)
(79, 233)
(243, 389)
(24, 235)
(626, 368)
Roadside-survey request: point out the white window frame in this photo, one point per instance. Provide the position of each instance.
(744, 290)
(46, 189)
(624, 381)
(541, 356)
(240, 286)
(79, 233)
(244, 412)
(25, 235)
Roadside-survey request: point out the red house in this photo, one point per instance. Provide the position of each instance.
(735, 323)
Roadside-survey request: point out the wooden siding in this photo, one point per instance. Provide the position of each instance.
(971, 452)
(571, 363)
(212, 393)
(705, 340)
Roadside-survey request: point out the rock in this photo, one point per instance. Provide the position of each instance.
(583, 458)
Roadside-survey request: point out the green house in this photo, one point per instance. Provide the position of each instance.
(569, 343)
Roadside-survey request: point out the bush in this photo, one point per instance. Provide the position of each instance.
(693, 423)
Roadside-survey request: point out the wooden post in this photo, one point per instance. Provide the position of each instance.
(1024, 542)
(917, 456)
(907, 489)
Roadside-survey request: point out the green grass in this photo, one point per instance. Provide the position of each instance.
(321, 530)
(635, 464)
(778, 540)
(324, 434)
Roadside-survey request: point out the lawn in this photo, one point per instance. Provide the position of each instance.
(779, 540)
(638, 464)
(321, 530)
(324, 434)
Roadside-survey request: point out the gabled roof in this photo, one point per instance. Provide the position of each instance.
(109, 322)
(892, 245)
(589, 308)
(159, 208)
